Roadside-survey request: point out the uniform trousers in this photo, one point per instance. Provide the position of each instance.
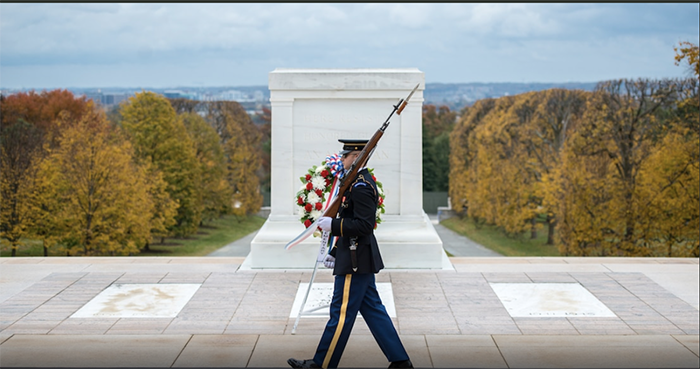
(353, 293)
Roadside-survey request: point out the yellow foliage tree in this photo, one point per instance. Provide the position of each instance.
(215, 191)
(688, 51)
(622, 122)
(240, 139)
(243, 162)
(463, 154)
(102, 204)
(482, 192)
(669, 181)
(669, 185)
(161, 139)
(544, 138)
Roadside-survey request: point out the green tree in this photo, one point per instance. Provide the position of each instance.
(437, 125)
(19, 148)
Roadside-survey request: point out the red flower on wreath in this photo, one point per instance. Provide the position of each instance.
(316, 187)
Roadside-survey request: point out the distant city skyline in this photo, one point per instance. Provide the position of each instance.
(169, 45)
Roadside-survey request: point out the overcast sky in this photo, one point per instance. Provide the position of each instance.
(171, 45)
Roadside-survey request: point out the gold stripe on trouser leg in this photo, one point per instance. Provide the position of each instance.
(341, 320)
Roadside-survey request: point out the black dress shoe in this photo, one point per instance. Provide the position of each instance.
(401, 364)
(303, 364)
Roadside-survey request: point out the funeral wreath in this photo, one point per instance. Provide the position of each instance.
(317, 186)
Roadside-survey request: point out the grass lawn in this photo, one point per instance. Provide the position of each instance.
(212, 236)
(496, 240)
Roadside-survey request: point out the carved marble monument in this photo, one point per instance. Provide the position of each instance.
(311, 110)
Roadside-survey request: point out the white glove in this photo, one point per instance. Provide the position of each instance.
(329, 261)
(325, 223)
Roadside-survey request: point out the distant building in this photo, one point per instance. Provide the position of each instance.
(113, 99)
(95, 96)
(173, 94)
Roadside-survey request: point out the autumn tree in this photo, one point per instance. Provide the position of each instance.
(669, 180)
(689, 52)
(475, 170)
(41, 109)
(26, 121)
(544, 138)
(623, 121)
(243, 162)
(240, 139)
(463, 154)
(214, 188)
(90, 189)
(245, 148)
(160, 138)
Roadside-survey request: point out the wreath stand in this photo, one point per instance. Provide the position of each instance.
(325, 241)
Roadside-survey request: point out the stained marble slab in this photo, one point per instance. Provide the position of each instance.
(549, 300)
(156, 300)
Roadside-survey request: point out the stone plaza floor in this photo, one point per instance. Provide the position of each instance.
(482, 312)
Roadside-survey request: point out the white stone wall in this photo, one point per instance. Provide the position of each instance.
(311, 110)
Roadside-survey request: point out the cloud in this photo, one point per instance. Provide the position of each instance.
(467, 41)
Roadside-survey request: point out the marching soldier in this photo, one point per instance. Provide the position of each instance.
(355, 260)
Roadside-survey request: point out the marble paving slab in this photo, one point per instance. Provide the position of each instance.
(139, 301)
(549, 300)
(321, 294)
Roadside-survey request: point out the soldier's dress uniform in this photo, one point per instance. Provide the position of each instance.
(354, 288)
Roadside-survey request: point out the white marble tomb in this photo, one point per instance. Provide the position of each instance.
(311, 110)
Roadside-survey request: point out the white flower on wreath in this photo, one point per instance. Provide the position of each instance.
(318, 182)
(313, 198)
(315, 214)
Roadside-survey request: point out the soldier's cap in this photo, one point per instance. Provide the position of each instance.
(352, 145)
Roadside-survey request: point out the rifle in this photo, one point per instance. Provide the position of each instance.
(360, 162)
(334, 206)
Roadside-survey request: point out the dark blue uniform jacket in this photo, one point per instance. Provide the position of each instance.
(357, 216)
